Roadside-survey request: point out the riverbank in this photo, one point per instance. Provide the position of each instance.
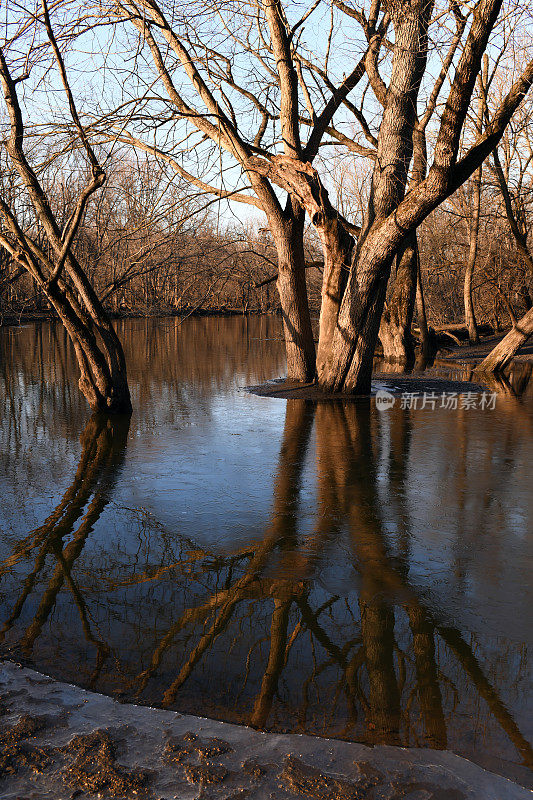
(23, 318)
(448, 351)
(60, 742)
(477, 352)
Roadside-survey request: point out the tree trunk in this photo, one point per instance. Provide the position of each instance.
(349, 364)
(292, 288)
(395, 328)
(427, 350)
(501, 355)
(99, 353)
(473, 230)
(337, 247)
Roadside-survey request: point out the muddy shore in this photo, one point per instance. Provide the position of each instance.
(59, 741)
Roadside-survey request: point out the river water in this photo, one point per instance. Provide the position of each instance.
(326, 568)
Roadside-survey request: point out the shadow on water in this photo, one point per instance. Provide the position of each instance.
(322, 620)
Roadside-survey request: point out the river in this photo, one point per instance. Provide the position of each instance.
(327, 568)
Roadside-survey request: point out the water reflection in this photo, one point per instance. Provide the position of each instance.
(61, 539)
(377, 590)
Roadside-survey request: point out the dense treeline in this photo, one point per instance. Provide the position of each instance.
(151, 248)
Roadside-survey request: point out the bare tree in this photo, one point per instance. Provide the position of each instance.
(393, 215)
(44, 248)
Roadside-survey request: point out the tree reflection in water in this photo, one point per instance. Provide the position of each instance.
(256, 635)
(64, 533)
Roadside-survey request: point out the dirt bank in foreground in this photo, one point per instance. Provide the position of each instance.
(61, 742)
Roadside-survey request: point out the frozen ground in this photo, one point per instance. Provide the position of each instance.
(58, 741)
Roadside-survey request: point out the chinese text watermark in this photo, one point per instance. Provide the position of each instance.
(469, 401)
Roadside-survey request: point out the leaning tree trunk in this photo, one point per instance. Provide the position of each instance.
(501, 355)
(103, 378)
(292, 289)
(98, 350)
(395, 328)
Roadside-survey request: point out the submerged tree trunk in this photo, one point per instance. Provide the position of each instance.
(50, 260)
(292, 288)
(395, 328)
(349, 364)
(501, 355)
(103, 377)
(427, 351)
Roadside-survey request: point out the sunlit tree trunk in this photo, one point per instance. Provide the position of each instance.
(337, 245)
(509, 346)
(349, 362)
(292, 289)
(395, 327)
(473, 235)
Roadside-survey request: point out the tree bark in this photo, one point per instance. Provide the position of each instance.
(337, 247)
(473, 231)
(395, 327)
(292, 288)
(349, 363)
(501, 355)
(425, 338)
(103, 376)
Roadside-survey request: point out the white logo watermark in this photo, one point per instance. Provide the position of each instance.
(450, 400)
(384, 400)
